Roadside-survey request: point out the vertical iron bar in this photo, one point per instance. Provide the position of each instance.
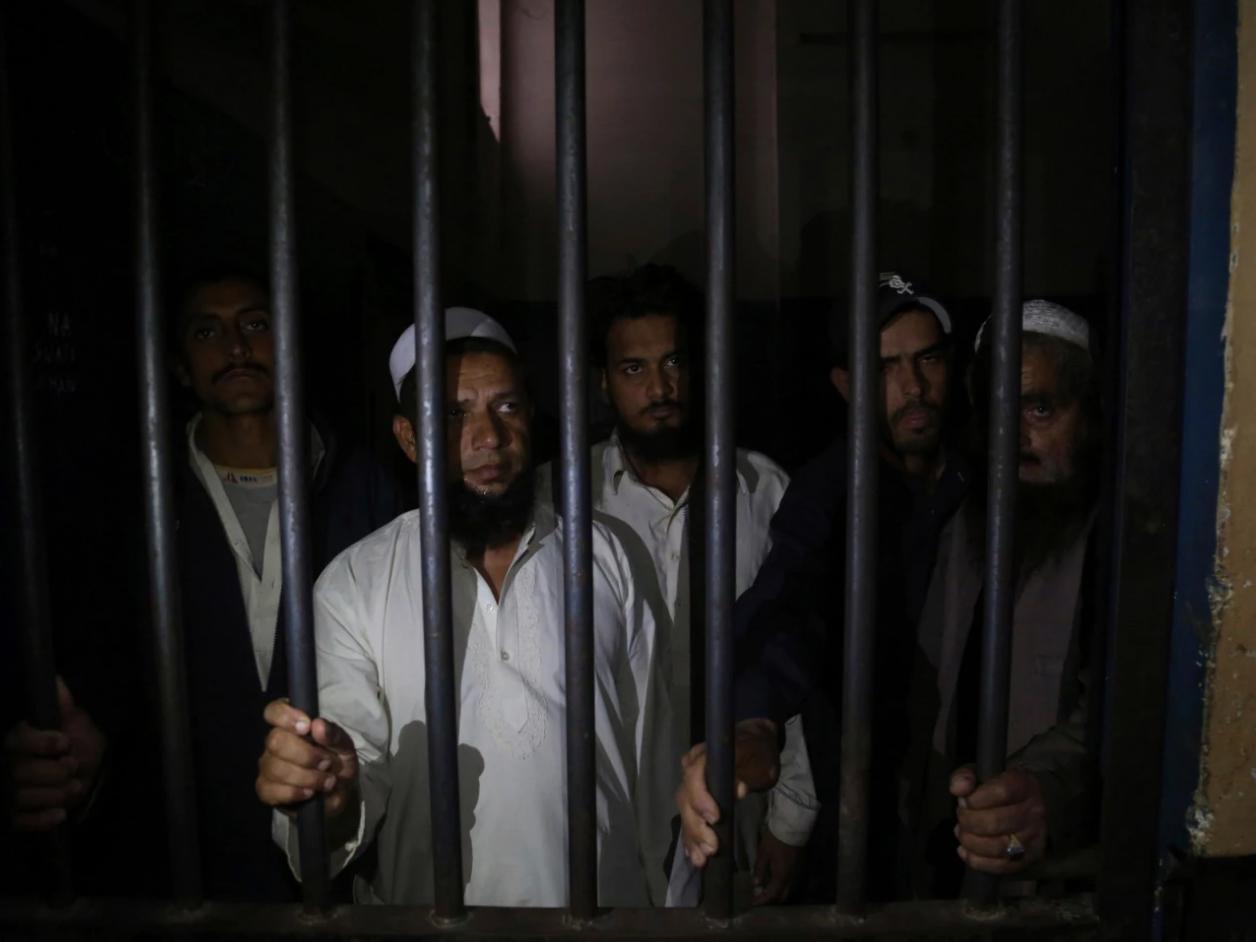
(719, 447)
(165, 600)
(996, 641)
(293, 446)
(429, 332)
(32, 559)
(576, 499)
(861, 502)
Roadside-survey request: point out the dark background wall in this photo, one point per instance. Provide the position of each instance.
(73, 144)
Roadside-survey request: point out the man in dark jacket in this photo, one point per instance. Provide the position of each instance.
(231, 583)
(789, 623)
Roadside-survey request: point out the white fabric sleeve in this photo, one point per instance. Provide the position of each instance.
(792, 804)
(349, 696)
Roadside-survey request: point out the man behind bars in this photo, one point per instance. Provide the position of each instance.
(645, 479)
(790, 623)
(1046, 795)
(367, 752)
(231, 583)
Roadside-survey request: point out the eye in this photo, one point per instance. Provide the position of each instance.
(508, 406)
(257, 325)
(930, 357)
(453, 412)
(203, 333)
(675, 361)
(631, 369)
(1039, 410)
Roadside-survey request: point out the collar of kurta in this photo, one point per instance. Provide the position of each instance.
(615, 466)
(317, 449)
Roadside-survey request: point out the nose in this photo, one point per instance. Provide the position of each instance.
(659, 385)
(1025, 442)
(485, 431)
(914, 383)
(238, 343)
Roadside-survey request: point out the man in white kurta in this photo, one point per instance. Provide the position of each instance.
(369, 748)
(642, 484)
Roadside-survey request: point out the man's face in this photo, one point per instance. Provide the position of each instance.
(646, 379)
(227, 351)
(1049, 429)
(488, 423)
(915, 372)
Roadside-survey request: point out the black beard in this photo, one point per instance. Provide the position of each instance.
(478, 521)
(663, 444)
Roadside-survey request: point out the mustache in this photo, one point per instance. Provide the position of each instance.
(662, 403)
(1027, 457)
(247, 365)
(916, 407)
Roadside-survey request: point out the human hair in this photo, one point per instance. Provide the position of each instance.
(408, 403)
(648, 290)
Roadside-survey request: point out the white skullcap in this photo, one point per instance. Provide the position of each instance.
(460, 322)
(1053, 320)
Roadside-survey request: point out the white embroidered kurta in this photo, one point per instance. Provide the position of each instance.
(654, 531)
(509, 669)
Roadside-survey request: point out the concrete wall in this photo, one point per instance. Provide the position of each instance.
(1225, 811)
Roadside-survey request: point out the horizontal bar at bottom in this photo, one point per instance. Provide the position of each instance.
(1069, 918)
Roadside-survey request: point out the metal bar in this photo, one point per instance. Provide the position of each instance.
(293, 447)
(1033, 918)
(1156, 213)
(28, 508)
(166, 608)
(576, 500)
(720, 451)
(440, 690)
(861, 503)
(996, 640)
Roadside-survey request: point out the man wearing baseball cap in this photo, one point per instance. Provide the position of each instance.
(367, 752)
(789, 623)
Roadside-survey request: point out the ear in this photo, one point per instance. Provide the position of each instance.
(403, 431)
(606, 395)
(180, 371)
(840, 379)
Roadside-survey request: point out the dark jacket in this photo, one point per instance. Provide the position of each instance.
(789, 628)
(120, 845)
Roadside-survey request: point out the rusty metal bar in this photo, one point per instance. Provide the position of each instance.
(720, 451)
(861, 501)
(441, 695)
(293, 445)
(166, 607)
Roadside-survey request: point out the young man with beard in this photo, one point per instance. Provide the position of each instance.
(1044, 797)
(790, 623)
(643, 481)
(367, 752)
(231, 582)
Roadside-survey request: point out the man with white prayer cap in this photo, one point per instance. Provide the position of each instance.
(367, 752)
(1043, 803)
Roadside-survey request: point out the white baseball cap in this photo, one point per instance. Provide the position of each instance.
(460, 322)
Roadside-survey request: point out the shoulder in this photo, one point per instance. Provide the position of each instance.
(370, 558)
(760, 474)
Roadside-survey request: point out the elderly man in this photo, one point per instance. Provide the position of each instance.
(1044, 798)
(789, 624)
(643, 478)
(367, 753)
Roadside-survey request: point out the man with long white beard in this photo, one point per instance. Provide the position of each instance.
(1044, 798)
(367, 753)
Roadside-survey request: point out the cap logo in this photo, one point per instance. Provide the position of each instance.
(895, 281)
